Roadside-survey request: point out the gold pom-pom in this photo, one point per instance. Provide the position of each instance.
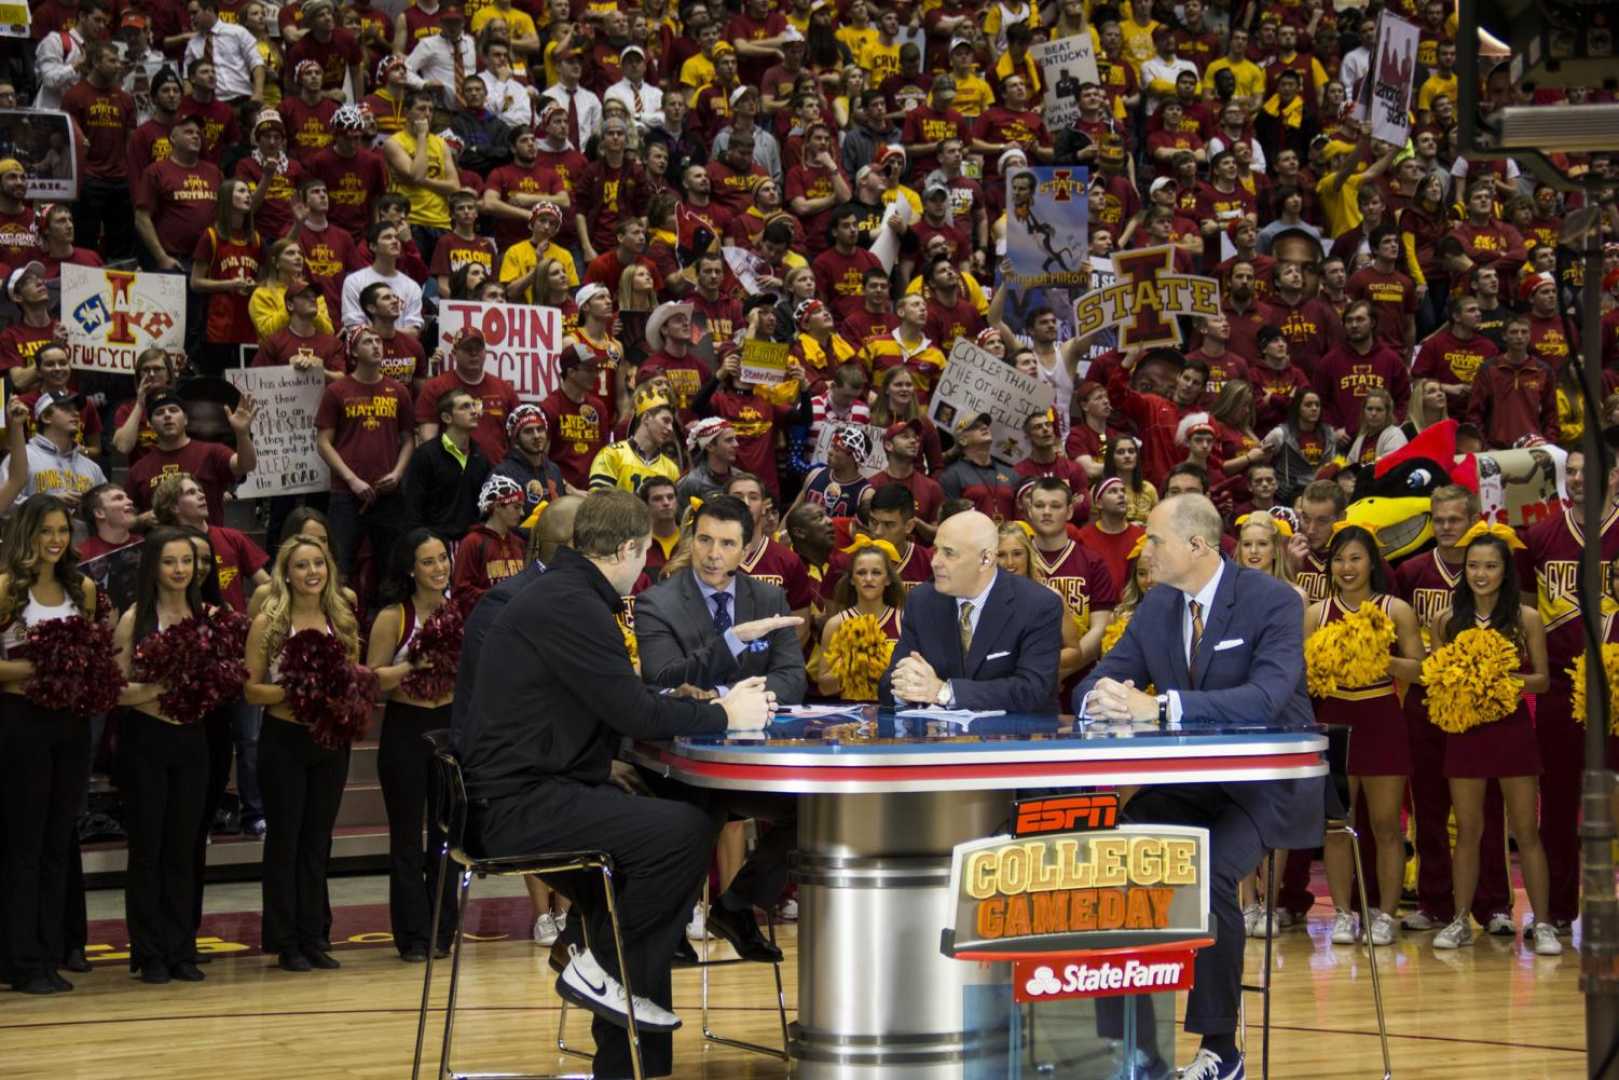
(1350, 653)
(1472, 681)
(857, 653)
(1610, 665)
(1114, 631)
(630, 644)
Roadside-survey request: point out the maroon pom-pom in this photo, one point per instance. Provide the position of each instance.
(436, 649)
(324, 690)
(74, 666)
(200, 667)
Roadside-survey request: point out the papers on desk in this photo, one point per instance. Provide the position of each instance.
(964, 717)
(845, 713)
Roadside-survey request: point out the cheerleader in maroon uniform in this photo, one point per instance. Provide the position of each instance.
(1506, 750)
(871, 586)
(1379, 748)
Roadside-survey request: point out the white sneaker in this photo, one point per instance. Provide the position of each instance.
(1208, 1066)
(788, 912)
(1501, 924)
(1250, 920)
(1263, 917)
(1419, 920)
(1384, 928)
(697, 929)
(585, 984)
(1458, 933)
(1546, 943)
(546, 929)
(1343, 929)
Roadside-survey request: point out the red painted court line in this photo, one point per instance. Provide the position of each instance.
(1074, 770)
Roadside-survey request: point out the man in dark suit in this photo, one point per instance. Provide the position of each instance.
(1222, 645)
(710, 627)
(713, 625)
(973, 637)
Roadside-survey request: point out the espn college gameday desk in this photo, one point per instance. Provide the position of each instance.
(884, 803)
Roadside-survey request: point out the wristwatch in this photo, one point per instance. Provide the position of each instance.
(1163, 709)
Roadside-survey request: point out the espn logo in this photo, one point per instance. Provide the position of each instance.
(1104, 977)
(1064, 813)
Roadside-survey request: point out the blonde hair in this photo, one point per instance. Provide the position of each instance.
(1260, 520)
(1013, 531)
(1416, 409)
(631, 300)
(277, 608)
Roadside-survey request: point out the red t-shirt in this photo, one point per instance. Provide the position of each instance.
(19, 342)
(106, 118)
(1393, 297)
(148, 143)
(451, 253)
(498, 397)
(404, 359)
(220, 127)
(484, 558)
(93, 547)
(351, 184)
(330, 255)
(335, 57)
(840, 278)
(578, 432)
(514, 179)
(274, 215)
(236, 560)
(280, 347)
(182, 201)
(18, 240)
(309, 128)
(1112, 548)
(367, 422)
(228, 259)
(143, 441)
(207, 462)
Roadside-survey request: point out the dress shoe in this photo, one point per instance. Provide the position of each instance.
(559, 957)
(59, 984)
(186, 971)
(76, 962)
(322, 959)
(415, 954)
(685, 955)
(440, 952)
(37, 984)
(202, 958)
(293, 960)
(741, 929)
(154, 974)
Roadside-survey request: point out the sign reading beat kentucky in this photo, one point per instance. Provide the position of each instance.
(521, 342)
(1045, 893)
(112, 316)
(1145, 299)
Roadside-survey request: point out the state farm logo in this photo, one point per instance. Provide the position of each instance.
(1105, 976)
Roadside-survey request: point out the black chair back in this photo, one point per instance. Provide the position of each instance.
(449, 794)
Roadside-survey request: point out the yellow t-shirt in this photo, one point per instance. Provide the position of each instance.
(519, 24)
(879, 60)
(1432, 87)
(1138, 48)
(973, 96)
(1250, 76)
(910, 196)
(697, 71)
(856, 38)
(970, 286)
(520, 259)
(427, 207)
(1005, 68)
(1341, 208)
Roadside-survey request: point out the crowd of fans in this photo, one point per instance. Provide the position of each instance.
(676, 183)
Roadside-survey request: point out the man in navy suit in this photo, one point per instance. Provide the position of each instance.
(1222, 645)
(975, 638)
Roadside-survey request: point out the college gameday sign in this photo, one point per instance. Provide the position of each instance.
(1050, 894)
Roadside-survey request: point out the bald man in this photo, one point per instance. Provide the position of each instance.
(1223, 646)
(973, 637)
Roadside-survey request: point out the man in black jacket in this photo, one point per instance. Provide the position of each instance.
(554, 694)
(445, 474)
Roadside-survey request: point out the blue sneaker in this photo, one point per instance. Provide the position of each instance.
(1210, 1066)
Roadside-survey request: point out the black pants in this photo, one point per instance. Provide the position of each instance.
(216, 730)
(404, 763)
(164, 775)
(303, 785)
(660, 850)
(104, 219)
(1234, 850)
(382, 523)
(44, 766)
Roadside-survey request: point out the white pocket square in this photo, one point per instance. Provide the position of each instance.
(1228, 643)
(998, 655)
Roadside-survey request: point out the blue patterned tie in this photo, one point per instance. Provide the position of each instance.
(722, 612)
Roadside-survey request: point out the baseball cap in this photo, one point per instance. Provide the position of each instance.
(14, 279)
(625, 52)
(47, 399)
(1162, 182)
(913, 424)
(960, 43)
(576, 355)
(944, 84)
(589, 292)
(470, 338)
(162, 398)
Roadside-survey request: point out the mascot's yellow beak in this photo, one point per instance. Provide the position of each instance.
(1401, 525)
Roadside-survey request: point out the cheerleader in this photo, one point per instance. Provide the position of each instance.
(1137, 584)
(1506, 750)
(302, 780)
(165, 772)
(1014, 553)
(871, 586)
(1379, 749)
(417, 580)
(1262, 545)
(46, 752)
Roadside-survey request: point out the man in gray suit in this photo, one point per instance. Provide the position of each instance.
(712, 626)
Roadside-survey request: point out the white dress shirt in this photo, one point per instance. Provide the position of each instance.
(510, 99)
(973, 616)
(585, 103)
(650, 113)
(1205, 602)
(236, 55)
(433, 61)
(54, 60)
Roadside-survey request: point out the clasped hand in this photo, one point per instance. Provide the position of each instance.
(916, 681)
(1118, 701)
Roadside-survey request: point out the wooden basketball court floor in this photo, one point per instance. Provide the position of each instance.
(1493, 1010)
